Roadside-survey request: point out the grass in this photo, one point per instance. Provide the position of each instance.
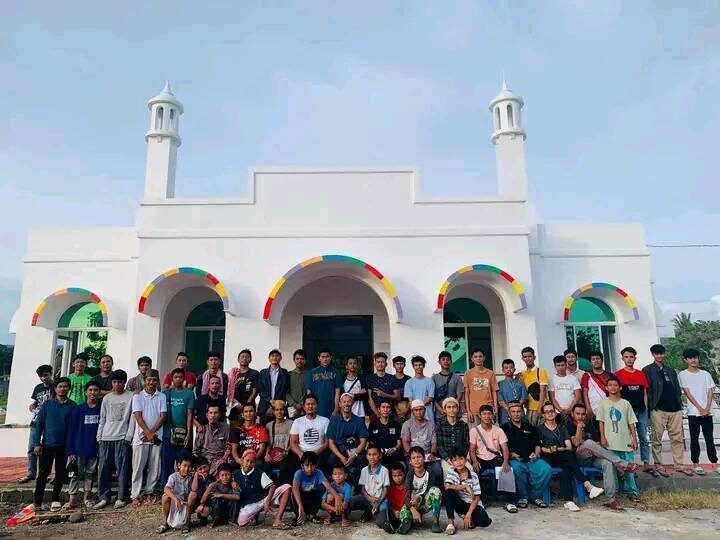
(3, 405)
(696, 499)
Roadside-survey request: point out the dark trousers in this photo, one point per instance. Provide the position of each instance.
(170, 455)
(223, 510)
(570, 472)
(50, 455)
(113, 455)
(454, 504)
(282, 473)
(311, 501)
(696, 423)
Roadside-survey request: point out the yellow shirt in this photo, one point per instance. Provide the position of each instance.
(535, 378)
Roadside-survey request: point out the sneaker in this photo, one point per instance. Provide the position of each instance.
(436, 528)
(596, 492)
(119, 504)
(450, 529)
(571, 506)
(102, 503)
(404, 527)
(55, 506)
(387, 527)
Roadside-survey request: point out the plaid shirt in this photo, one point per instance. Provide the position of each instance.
(450, 437)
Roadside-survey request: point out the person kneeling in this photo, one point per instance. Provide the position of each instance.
(308, 483)
(338, 505)
(220, 499)
(462, 495)
(175, 499)
(258, 493)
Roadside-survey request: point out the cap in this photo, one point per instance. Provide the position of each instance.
(417, 404)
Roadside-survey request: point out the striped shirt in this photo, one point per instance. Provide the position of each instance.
(453, 477)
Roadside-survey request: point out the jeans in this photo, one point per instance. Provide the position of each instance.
(145, 456)
(454, 503)
(642, 431)
(86, 469)
(628, 482)
(359, 502)
(531, 478)
(113, 454)
(32, 459)
(49, 455)
(591, 453)
(706, 424)
(672, 422)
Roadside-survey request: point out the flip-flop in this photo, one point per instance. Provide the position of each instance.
(281, 526)
(687, 472)
(662, 472)
(511, 508)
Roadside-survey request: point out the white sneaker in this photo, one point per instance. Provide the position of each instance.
(120, 504)
(55, 506)
(102, 503)
(571, 506)
(596, 492)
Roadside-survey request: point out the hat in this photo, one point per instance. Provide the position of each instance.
(249, 452)
(448, 400)
(417, 404)
(346, 394)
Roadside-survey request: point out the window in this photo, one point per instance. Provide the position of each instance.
(204, 331)
(591, 327)
(511, 120)
(467, 326)
(172, 118)
(159, 118)
(497, 119)
(79, 330)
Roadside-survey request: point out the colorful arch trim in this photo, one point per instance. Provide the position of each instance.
(215, 282)
(600, 285)
(516, 285)
(94, 298)
(332, 258)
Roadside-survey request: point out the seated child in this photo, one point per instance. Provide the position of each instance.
(398, 516)
(422, 489)
(462, 494)
(175, 498)
(200, 482)
(338, 505)
(307, 489)
(374, 482)
(220, 498)
(258, 493)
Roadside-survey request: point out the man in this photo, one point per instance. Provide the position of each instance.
(78, 379)
(633, 387)
(181, 362)
(104, 378)
(381, 385)
(113, 426)
(82, 446)
(347, 438)
(297, 391)
(401, 378)
(419, 431)
(42, 392)
(510, 390)
(137, 383)
(572, 364)
(249, 435)
(202, 385)
(535, 380)
(213, 443)
(665, 407)
(594, 383)
(149, 409)
(532, 475)
(177, 429)
(564, 389)
(480, 387)
(273, 384)
(451, 433)
(49, 442)
(698, 387)
(421, 388)
(447, 383)
(242, 386)
(324, 382)
(488, 444)
(204, 402)
(384, 433)
(309, 432)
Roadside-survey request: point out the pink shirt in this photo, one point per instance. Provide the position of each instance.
(494, 438)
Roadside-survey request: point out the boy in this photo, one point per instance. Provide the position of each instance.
(78, 379)
(564, 389)
(104, 377)
(617, 426)
(698, 387)
(181, 362)
(338, 505)
(137, 383)
(400, 378)
(175, 498)
(535, 380)
(114, 421)
(355, 385)
(177, 430)
(249, 435)
(220, 499)
(200, 482)
(273, 384)
(381, 385)
(399, 518)
(421, 387)
(374, 483)
(242, 386)
(325, 383)
(297, 385)
(82, 445)
(422, 493)
(49, 441)
(41, 393)
(462, 495)
(510, 390)
(480, 386)
(308, 482)
(447, 383)
(258, 493)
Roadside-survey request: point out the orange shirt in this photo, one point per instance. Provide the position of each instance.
(480, 387)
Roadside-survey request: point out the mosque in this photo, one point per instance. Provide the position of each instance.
(355, 259)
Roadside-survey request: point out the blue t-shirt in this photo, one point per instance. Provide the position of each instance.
(347, 434)
(509, 391)
(421, 389)
(345, 490)
(386, 383)
(322, 382)
(310, 483)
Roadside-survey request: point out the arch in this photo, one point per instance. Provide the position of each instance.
(511, 119)
(161, 289)
(159, 118)
(491, 273)
(612, 294)
(368, 273)
(48, 312)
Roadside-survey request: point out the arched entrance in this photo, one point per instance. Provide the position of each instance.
(204, 331)
(80, 329)
(591, 327)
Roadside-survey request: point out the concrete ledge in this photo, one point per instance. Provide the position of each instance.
(678, 482)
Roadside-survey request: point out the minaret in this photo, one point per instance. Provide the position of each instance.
(163, 139)
(509, 140)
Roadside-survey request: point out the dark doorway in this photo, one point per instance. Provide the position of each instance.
(344, 335)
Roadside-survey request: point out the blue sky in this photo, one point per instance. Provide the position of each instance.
(621, 109)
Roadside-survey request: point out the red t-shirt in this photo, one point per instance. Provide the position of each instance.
(190, 379)
(249, 437)
(396, 496)
(632, 387)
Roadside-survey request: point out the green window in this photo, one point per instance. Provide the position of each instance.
(591, 327)
(467, 326)
(204, 331)
(79, 330)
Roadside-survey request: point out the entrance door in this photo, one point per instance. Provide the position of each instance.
(344, 335)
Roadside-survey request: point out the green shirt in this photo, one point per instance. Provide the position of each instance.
(77, 387)
(617, 416)
(179, 402)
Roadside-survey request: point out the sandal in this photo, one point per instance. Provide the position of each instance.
(136, 503)
(511, 508)
(686, 472)
(281, 526)
(316, 519)
(450, 529)
(653, 472)
(662, 472)
(522, 503)
(25, 479)
(540, 503)
(162, 528)
(185, 529)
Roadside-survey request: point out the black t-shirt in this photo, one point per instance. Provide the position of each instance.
(556, 437)
(668, 401)
(104, 382)
(400, 383)
(384, 435)
(201, 406)
(589, 433)
(244, 386)
(40, 395)
(521, 440)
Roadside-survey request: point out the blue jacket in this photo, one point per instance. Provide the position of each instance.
(82, 431)
(282, 387)
(51, 424)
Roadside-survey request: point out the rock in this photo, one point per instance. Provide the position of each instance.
(76, 517)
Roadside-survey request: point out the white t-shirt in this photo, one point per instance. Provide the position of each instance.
(151, 406)
(311, 432)
(698, 384)
(374, 481)
(419, 484)
(564, 388)
(353, 387)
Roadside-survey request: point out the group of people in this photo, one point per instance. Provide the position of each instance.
(225, 447)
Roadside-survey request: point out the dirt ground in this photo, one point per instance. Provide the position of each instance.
(593, 522)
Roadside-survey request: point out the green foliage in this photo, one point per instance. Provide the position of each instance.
(700, 335)
(6, 356)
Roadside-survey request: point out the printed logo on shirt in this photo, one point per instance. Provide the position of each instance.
(323, 376)
(311, 436)
(391, 431)
(480, 383)
(92, 419)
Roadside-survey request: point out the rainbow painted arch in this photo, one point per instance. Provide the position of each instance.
(92, 297)
(600, 285)
(516, 285)
(332, 258)
(169, 274)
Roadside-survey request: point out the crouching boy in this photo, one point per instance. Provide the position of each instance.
(220, 499)
(462, 495)
(175, 499)
(423, 493)
(374, 483)
(307, 489)
(258, 493)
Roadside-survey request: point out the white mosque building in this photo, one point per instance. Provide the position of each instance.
(356, 259)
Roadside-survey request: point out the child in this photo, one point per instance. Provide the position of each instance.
(399, 518)
(78, 379)
(41, 393)
(510, 390)
(338, 505)
(307, 489)
(462, 495)
(258, 492)
(82, 445)
(220, 499)
(422, 490)
(374, 482)
(199, 485)
(175, 498)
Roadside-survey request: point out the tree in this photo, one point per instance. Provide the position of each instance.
(6, 356)
(701, 335)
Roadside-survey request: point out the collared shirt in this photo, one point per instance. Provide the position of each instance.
(451, 436)
(212, 443)
(472, 480)
(151, 407)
